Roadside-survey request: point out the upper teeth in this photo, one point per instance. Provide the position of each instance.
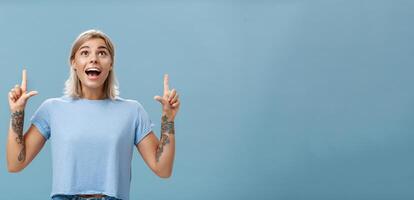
(93, 69)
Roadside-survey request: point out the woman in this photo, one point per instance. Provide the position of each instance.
(91, 129)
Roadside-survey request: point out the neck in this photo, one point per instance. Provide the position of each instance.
(93, 94)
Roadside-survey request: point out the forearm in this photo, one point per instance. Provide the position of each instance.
(166, 148)
(16, 148)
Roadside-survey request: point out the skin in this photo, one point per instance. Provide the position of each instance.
(92, 53)
(23, 148)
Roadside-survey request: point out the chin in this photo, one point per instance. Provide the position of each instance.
(92, 85)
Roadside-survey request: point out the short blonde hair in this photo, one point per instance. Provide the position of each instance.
(73, 86)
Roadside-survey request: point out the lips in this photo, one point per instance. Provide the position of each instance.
(93, 72)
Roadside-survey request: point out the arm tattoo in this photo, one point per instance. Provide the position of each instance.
(166, 128)
(17, 126)
(22, 154)
(163, 141)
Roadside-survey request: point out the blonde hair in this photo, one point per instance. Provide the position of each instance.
(73, 86)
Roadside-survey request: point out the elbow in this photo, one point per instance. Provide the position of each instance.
(13, 169)
(164, 174)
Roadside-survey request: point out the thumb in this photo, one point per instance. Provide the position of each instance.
(29, 94)
(159, 99)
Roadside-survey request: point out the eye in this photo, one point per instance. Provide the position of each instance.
(84, 53)
(102, 53)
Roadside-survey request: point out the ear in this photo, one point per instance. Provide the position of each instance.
(72, 65)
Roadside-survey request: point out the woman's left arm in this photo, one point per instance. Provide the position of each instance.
(159, 154)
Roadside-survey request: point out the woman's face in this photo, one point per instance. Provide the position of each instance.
(92, 63)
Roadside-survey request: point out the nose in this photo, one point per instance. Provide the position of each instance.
(93, 59)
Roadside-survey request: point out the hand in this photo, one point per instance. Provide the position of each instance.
(18, 95)
(169, 101)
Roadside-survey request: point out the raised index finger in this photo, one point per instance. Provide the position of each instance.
(166, 88)
(24, 80)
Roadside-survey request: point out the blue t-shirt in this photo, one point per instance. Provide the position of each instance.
(92, 143)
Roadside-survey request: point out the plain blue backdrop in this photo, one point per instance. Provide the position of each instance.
(280, 99)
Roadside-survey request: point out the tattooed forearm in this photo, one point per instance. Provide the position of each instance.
(167, 127)
(17, 126)
(22, 154)
(163, 141)
(17, 122)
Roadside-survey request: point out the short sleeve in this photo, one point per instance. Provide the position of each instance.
(143, 124)
(41, 120)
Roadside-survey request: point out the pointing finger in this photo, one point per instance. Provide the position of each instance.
(166, 88)
(24, 80)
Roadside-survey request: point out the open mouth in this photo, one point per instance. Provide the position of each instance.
(93, 72)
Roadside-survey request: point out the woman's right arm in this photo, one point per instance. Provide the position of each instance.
(21, 148)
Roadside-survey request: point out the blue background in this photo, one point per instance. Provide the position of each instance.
(280, 99)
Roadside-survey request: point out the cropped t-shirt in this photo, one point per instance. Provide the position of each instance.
(92, 143)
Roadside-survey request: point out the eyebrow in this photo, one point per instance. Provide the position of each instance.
(100, 47)
(83, 47)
